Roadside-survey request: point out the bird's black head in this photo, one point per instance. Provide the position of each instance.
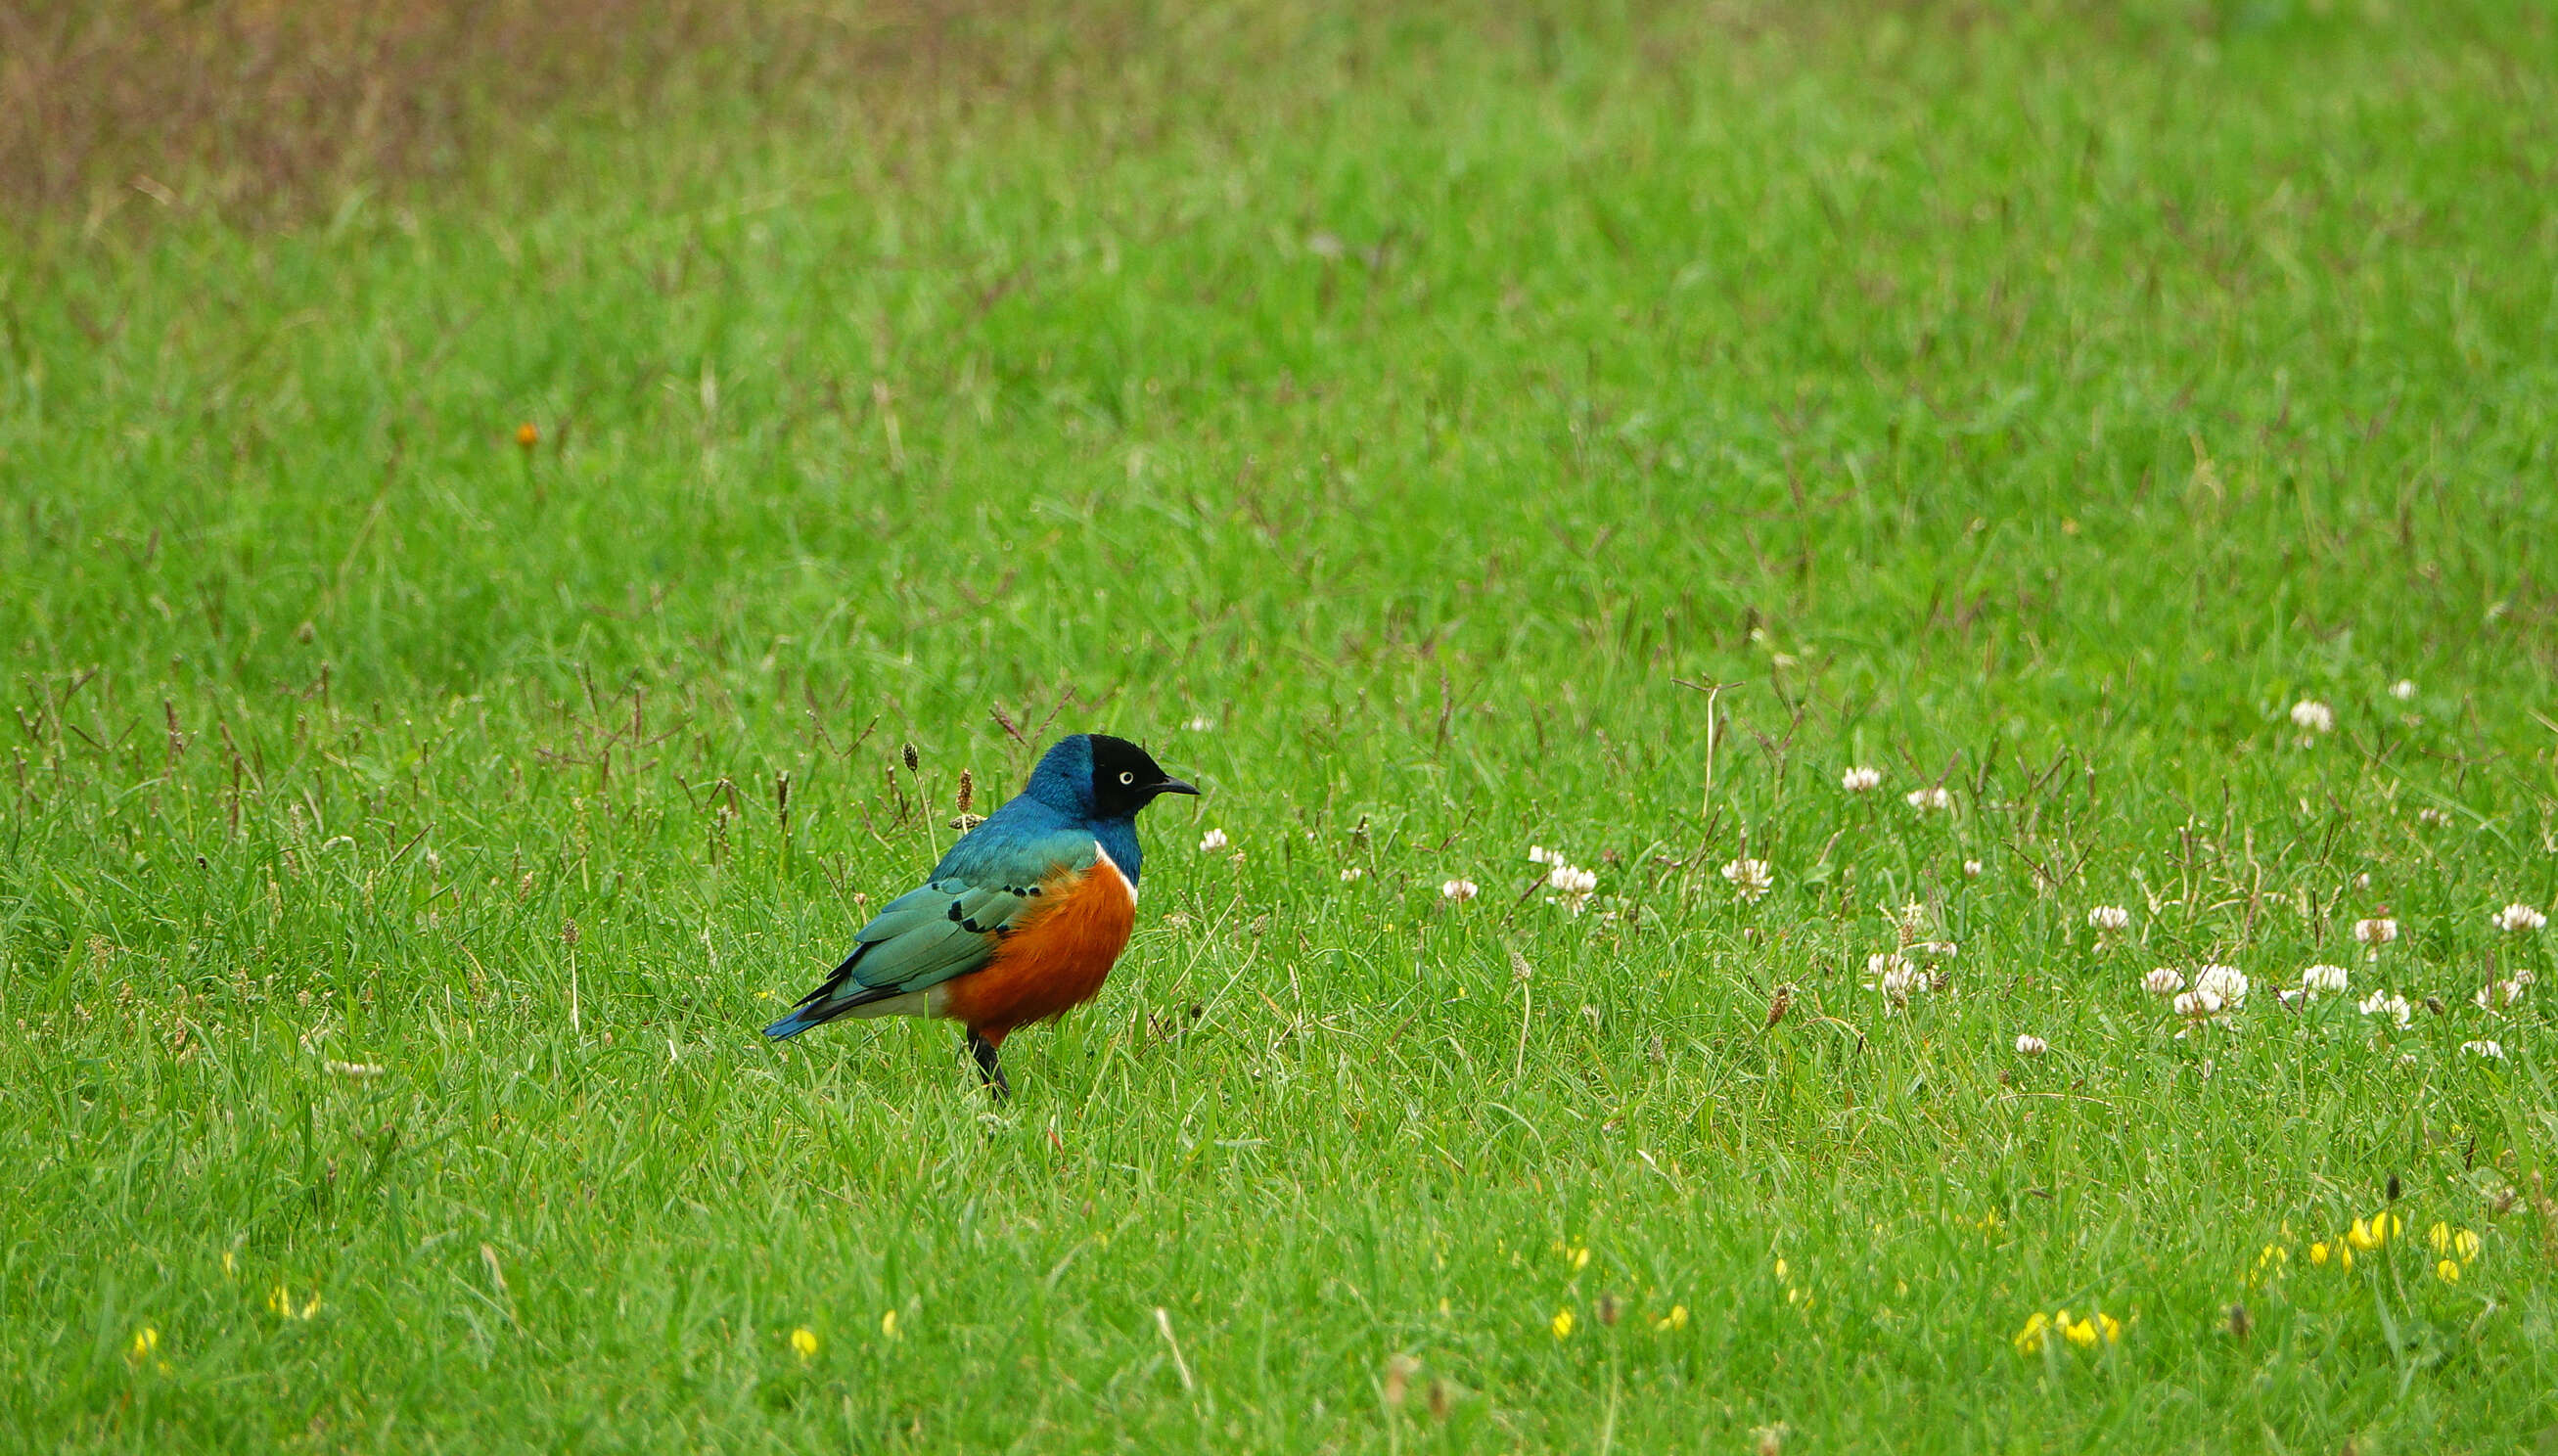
(1125, 778)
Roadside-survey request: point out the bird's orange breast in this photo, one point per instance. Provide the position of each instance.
(1053, 959)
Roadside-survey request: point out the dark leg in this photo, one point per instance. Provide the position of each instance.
(988, 1069)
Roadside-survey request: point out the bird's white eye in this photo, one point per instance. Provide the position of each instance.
(1127, 778)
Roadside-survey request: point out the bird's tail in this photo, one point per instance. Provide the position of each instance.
(797, 1022)
(836, 996)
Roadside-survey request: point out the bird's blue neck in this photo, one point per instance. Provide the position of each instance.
(1119, 840)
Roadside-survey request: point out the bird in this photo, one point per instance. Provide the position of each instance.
(1021, 921)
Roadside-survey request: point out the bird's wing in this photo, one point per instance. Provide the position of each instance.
(948, 928)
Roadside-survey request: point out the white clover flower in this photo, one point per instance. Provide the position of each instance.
(1201, 725)
(2389, 1004)
(2228, 982)
(2375, 933)
(2403, 690)
(2431, 816)
(1971, 869)
(1211, 841)
(2311, 716)
(1572, 880)
(2167, 980)
(2197, 1005)
(1893, 975)
(2028, 1044)
(1574, 884)
(1350, 873)
(360, 1071)
(2484, 1049)
(1540, 854)
(1897, 985)
(1861, 779)
(2111, 918)
(1933, 797)
(1460, 891)
(1751, 878)
(2519, 917)
(2523, 977)
(2324, 981)
(2499, 993)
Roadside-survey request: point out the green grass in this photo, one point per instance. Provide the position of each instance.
(2039, 405)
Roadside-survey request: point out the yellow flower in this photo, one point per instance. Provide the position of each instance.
(2081, 1332)
(230, 1264)
(1562, 1324)
(1580, 1259)
(1676, 1318)
(2345, 1256)
(2269, 1262)
(280, 1301)
(804, 1341)
(888, 1323)
(145, 1341)
(2449, 1272)
(1780, 1269)
(2112, 1326)
(2387, 1226)
(2439, 1238)
(2466, 1244)
(2361, 1235)
(311, 1306)
(2030, 1339)
(2318, 1253)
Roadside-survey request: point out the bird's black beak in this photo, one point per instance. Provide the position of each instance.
(1176, 786)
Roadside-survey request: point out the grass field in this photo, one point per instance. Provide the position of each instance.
(1439, 434)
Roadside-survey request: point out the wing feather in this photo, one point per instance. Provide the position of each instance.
(945, 929)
